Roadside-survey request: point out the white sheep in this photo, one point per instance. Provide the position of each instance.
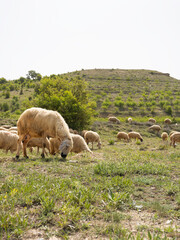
(155, 128)
(79, 144)
(152, 120)
(8, 141)
(38, 142)
(42, 123)
(113, 119)
(171, 133)
(135, 135)
(175, 137)
(129, 120)
(123, 135)
(92, 137)
(83, 133)
(167, 121)
(164, 136)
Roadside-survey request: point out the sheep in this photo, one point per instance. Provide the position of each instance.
(6, 126)
(12, 129)
(42, 123)
(152, 120)
(171, 133)
(129, 120)
(79, 144)
(73, 131)
(3, 129)
(175, 137)
(123, 135)
(167, 121)
(83, 133)
(164, 136)
(155, 128)
(8, 141)
(91, 136)
(113, 119)
(38, 142)
(135, 135)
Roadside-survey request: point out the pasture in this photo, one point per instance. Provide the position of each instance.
(123, 191)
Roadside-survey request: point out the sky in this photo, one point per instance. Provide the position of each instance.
(60, 36)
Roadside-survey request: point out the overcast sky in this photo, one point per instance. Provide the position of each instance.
(60, 36)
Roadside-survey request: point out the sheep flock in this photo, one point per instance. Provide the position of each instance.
(47, 130)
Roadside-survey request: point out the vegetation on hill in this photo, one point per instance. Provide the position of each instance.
(99, 92)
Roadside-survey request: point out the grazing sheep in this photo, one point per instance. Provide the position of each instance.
(38, 142)
(164, 136)
(155, 128)
(8, 141)
(83, 133)
(113, 119)
(167, 121)
(79, 144)
(135, 135)
(152, 120)
(175, 137)
(123, 135)
(91, 136)
(171, 133)
(42, 123)
(73, 131)
(129, 120)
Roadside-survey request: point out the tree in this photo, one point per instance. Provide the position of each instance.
(33, 75)
(68, 97)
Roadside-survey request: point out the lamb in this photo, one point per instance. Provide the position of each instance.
(155, 128)
(79, 144)
(152, 120)
(129, 120)
(8, 141)
(164, 136)
(113, 119)
(167, 121)
(42, 123)
(135, 135)
(175, 137)
(91, 136)
(123, 135)
(38, 142)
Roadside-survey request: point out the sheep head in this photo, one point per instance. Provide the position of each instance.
(66, 147)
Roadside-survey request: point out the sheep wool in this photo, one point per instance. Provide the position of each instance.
(135, 135)
(92, 137)
(42, 123)
(123, 136)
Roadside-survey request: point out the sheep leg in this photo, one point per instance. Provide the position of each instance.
(92, 145)
(43, 148)
(24, 149)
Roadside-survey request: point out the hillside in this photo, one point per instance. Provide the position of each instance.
(123, 93)
(143, 92)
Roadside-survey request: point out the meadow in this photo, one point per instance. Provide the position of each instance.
(122, 191)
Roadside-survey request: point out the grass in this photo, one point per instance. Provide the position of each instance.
(102, 196)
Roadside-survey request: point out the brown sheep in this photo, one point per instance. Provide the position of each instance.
(8, 141)
(123, 135)
(92, 137)
(164, 136)
(175, 137)
(42, 123)
(79, 144)
(113, 119)
(155, 128)
(38, 142)
(152, 120)
(135, 135)
(167, 121)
